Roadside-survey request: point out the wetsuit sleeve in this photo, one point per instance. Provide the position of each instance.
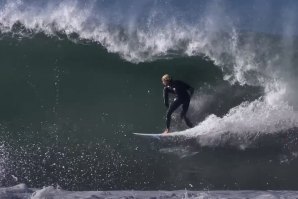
(189, 88)
(166, 96)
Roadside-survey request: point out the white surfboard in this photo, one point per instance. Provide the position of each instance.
(157, 136)
(151, 135)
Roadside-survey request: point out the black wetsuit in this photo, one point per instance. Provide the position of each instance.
(180, 89)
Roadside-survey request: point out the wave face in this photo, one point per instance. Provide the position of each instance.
(79, 77)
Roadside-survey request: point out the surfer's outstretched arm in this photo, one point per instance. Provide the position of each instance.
(188, 88)
(166, 92)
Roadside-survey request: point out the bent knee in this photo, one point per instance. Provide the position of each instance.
(169, 114)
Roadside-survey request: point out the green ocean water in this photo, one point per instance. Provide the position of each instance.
(48, 79)
(60, 98)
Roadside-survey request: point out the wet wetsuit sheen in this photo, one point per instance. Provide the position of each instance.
(180, 89)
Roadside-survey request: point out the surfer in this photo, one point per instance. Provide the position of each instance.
(183, 94)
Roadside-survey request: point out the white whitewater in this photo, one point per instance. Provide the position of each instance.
(21, 191)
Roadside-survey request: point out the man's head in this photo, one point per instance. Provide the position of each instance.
(166, 79)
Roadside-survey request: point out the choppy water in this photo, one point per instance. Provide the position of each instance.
(21, 191)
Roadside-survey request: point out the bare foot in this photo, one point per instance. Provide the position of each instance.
(166, 131)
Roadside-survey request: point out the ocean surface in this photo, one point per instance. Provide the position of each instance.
(78, 78)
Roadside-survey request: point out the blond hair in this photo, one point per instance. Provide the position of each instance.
(166, 77)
